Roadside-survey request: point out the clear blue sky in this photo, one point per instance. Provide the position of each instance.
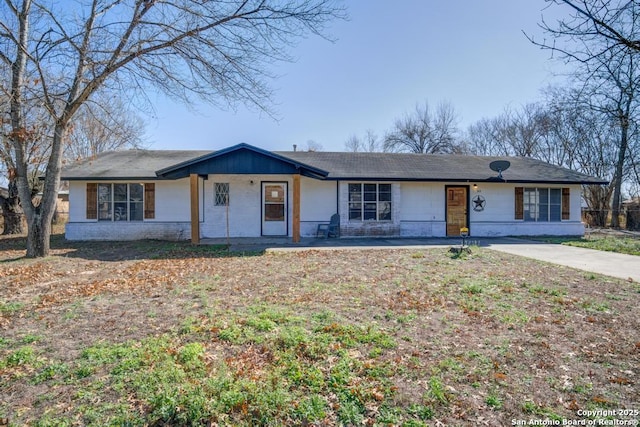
(387, 57)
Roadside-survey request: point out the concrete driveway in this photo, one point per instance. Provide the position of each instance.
(608, 263)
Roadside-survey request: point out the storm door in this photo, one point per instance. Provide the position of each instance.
(274, 209)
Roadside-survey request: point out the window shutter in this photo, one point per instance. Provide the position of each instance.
(519, 211)
(149, 201)
(566, 203)
(92, 201)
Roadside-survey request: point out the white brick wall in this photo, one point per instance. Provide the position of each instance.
(497, 218)
(244, 208)
(245, 205)
(521, 228)
(172, 201)
(422, 228)
(418, 209)
(108, 230)
(369, 228)
(318, 201)
(422, 201)
(171, 222)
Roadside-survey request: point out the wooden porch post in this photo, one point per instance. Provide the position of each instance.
(195, 210)
(296, 208)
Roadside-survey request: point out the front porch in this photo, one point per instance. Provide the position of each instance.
(272, 181)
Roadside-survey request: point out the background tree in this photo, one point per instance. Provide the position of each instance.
(563, 130)
(586, 141)
(105, 125)
(97, 127)
(601, 39)
(522, 132)
(424, 131)
(60, 56)
(37, 146)
(368, 143)
(312, 145)
(618, 99)
(526, 130)
(595, 21)
(483, 137)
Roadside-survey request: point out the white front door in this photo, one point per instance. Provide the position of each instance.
(274, 208)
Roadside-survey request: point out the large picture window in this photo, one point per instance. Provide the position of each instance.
(120, 202)
(542, 204)
(369, 202)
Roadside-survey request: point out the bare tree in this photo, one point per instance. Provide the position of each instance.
(601, 39)
(353, 144)
(97, 127)
(37, 145)
(105, 125)
(634, 185)
(526, 130)
(609, 23)
(368, 143)
(312, 145)
(521, 132)
(586, 141)
(481, 137)
(424, 131)
(618, 98)
(61, 56)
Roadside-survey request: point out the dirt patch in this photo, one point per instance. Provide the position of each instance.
(505, 337)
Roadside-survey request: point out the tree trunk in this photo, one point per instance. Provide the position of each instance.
(598, 201)
(617, 177)
(39, 217)
(13, 221)
(13, 215)
(12, 211)
(38, 236)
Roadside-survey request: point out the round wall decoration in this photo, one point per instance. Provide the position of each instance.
(478, 203)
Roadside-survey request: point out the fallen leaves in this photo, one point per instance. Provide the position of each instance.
(124, 296)
(620, 380)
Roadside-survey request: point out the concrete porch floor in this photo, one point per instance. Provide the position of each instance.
(241, 244)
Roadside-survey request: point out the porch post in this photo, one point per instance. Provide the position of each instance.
(195, 209)
(296, 208)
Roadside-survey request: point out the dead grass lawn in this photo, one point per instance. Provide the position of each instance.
(478, 340)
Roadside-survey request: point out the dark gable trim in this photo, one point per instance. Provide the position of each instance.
(240, 159)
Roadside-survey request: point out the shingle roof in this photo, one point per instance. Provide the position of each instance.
(143, 164)
(435, 167)
(129, 164)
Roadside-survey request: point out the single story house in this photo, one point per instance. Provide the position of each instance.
(245, 191)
